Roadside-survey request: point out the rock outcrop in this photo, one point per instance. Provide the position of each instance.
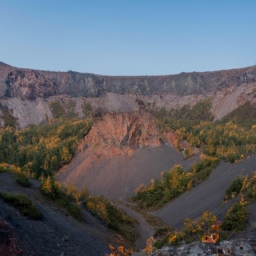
(117, 134)
(238, 247)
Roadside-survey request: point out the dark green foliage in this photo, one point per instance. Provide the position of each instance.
(200, 111)
(231, 158)
(70, 106)
(9, 120)
(23, 204)
(161, 231)
(75, 195)
(162, 242)
(50, 189)
(202, 170)
(22, 179)
(244, 114)
(99, 112)
(236, 218)
(87, 110)
(235, 186)
(57, 109)
(53, 191)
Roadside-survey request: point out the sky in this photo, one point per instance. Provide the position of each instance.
(128, 37)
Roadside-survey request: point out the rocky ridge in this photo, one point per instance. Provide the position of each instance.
(24, 88)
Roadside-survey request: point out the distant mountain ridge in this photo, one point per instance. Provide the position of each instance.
(25, 93)
(49, 83)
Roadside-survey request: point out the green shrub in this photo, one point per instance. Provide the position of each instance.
(161, 242)
(114, 218)
(22, 179)
(235, 187)
(50, 189)
(55, 192)
(57, 109)
(231, 158)
(23, 204)
(75, 211)
(236, 218)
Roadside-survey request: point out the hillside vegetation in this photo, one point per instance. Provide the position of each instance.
(173, 183)
(42, 150)
(229, 139)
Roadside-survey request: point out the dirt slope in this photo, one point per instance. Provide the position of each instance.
(206, 196)
(57, 232)
(118, 177)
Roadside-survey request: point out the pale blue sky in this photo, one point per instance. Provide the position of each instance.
(128, 37)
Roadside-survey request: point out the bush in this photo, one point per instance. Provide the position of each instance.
(231, 158)
(235, 187)
(236, 218)
(114, 218)
(57, 109)
(22, 179)
(23, 204)
(53, 190)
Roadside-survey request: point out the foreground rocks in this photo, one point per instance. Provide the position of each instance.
(234, 247)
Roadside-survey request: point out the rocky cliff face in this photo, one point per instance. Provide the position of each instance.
(30, 84)
(119, 134)
(22, 89)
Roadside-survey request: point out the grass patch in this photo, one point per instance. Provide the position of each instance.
(23, 204)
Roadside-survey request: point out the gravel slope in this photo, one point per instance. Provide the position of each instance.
(57, 232)
(206, 196)
(118, 177)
